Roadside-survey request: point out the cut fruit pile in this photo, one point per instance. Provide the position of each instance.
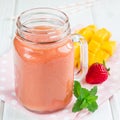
(100, 47)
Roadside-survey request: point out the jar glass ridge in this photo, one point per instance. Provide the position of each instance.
(55, 19)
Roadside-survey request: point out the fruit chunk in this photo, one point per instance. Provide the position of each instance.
(93, 46)
(87, 32)
(109, 47)
(91, 58)
(97, 73)
(99, 45)
(101, 35)
(91, 61)
(90, 55)
(103, 55)
(77, 54)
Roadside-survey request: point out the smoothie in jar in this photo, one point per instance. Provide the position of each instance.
(43, 60)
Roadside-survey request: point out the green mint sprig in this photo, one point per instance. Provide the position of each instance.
(85, 98)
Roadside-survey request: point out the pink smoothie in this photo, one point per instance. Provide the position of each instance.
(44, 73)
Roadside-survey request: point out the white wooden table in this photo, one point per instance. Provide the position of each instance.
(104, 13)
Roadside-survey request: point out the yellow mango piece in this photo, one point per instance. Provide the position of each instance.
(99, 60)
(76, 62)
(109, 47)
(78, 65)
(92, 26)
(103, 55)
(80, 31)
(91, 61)
(90, 55)
(87, 32)
(76, 49)
(76, 54)
(93, 46)
(99, 45)
(101, 35)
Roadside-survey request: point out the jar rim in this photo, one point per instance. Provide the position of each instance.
(22, 27)
(41, 8)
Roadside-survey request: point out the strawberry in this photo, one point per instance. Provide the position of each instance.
(97, 73)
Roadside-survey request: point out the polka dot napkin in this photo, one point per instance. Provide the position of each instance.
(105, 90)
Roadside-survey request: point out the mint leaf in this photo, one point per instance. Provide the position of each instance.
(76, 106)
(93, 91)
(91, 98)
(84, 93)
(85, 98)
(77, 89)
(92, 107)
(84, 104)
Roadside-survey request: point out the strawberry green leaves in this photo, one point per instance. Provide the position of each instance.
(85, 98)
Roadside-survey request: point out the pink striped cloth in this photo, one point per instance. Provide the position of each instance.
(105, 90)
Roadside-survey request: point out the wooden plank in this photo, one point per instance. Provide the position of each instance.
(6, 9)
(6, 24)
(5, 32)
(115, 106)
(1, 109)
(12, 113)
(108, 15)
(103, 113)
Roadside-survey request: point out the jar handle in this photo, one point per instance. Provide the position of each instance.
(83, 56)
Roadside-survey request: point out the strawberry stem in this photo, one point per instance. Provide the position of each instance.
(104, 63)
(108, 69)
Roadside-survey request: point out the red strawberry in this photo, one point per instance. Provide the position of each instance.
(97, 73)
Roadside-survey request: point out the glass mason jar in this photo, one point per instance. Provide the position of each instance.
(44, 59)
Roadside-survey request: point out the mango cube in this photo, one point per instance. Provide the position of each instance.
(93, 46)
(99, 60)
(91, 58)
(87, 32)
(91, 61)
(101, 35)
(90, 55)
(76, 49)
(76, 62)
(77, 54)
(109, 47)
(92, 26)
(100, 47)
(103, 55)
